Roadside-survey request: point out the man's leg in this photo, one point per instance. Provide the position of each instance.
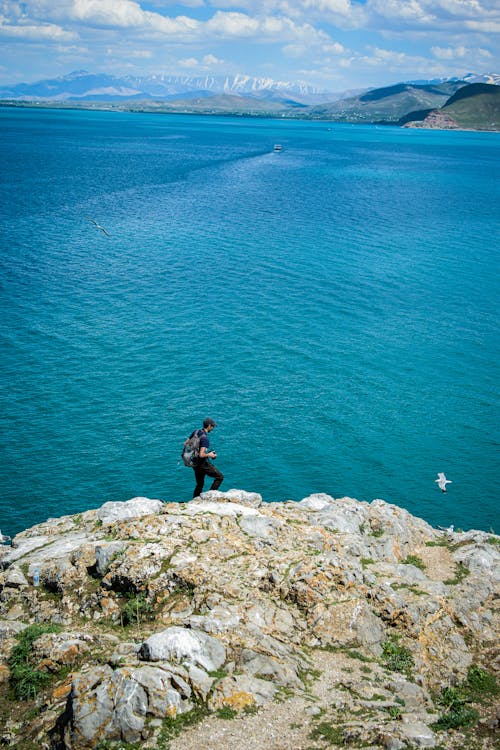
(199, 473)
(212, 471)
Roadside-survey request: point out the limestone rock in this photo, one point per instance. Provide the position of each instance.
(185, 646)
(228, 600)
(259, 526)
(418, 735)
(105, 552)
(241, 691)
(135, 508)
(319, 501)
(250, 499)
(15, 578)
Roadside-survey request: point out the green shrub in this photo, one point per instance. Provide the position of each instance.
(414, 560)
(136, 609)
(328, 732)
(479, 686)
(173, 726)
(461, 572)
(25, 680)
(226, 712)
(457, 713)
(397, 658)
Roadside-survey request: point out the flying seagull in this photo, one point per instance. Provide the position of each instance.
(442, 481)
(93, 221)
(4, 539)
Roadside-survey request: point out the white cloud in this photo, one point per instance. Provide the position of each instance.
(36, 33)
(438, 15)
(211, 60)
(449, 53)
(206, 63)
(189, 62)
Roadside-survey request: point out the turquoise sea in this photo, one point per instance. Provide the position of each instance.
(333, 306)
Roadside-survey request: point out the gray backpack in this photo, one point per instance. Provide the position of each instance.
(191, 449)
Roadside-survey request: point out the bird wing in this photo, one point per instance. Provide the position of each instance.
(103, 230)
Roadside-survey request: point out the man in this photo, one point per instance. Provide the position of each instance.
(203, 467)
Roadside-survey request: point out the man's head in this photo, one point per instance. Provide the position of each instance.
(209, 424)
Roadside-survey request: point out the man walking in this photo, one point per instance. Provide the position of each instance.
(203, 467)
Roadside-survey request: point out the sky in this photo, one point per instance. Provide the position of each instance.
(334, 45)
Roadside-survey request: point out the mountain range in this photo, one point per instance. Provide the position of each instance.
(83, 86)
(470, 102)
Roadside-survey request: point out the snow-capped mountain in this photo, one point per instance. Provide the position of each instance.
(84, 86)
(81, 85)
(492, 78)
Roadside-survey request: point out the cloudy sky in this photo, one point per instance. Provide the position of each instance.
(333, 44)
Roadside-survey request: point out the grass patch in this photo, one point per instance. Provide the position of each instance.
(413, 589)
(456, 711)
(397, 658)
(365, 561)
(328, 732)
(414, 560)
(461, 572)
(218, 674)
(173, 726)
(443, 542)
(283, 693)
(479, 686)
(495, 540)
(377, 533)
(250, 709)
(226, 712)
(395, 712)
(358, 655)
(25, 680)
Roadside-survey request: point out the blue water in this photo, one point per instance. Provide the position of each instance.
(332, 306)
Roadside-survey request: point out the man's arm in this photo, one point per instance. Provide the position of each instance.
(204, 452)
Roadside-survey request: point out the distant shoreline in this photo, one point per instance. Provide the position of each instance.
(161, 110)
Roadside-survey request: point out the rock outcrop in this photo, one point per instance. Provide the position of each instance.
(435, 120)
(228, 603)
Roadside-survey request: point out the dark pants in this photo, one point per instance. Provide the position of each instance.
(209, 470)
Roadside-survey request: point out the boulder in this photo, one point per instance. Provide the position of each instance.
(318, 501)
(15, 578)
(259, 526)
(105, 552)
(250, 499)
(219, 509)
(240, 692)
(137, 507)
(185, 646)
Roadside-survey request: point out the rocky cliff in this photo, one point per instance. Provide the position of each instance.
(435, 120)
(320, 623)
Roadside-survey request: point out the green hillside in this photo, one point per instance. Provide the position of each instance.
(476, 106)
(217, 104)
(388, 104)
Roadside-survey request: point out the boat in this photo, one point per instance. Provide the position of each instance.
(278, 147)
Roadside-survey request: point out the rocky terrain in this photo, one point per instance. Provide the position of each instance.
(227, 622)
(435, 120)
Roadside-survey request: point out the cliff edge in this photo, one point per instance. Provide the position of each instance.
(298, 625)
